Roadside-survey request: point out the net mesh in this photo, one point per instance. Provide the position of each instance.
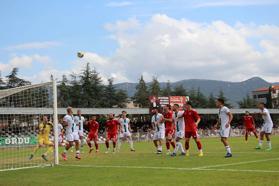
(21, 110)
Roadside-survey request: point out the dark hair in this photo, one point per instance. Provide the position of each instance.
(176, 105)
(169, 106)
(221, 100)
(262, 103)
(123, 111)
(189, 103)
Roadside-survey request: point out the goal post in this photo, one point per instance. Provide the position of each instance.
(21, 112)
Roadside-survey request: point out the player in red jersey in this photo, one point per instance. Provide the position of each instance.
(93, 127)
(112, 128)
(169, 128)
(249, 123)
(191, 119)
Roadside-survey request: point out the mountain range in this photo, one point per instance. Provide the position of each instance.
(234, 91)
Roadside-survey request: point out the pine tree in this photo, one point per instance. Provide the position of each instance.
(75, 91)
(179, 90)
(64, 98)
(86, 85)
(121, 98)
(97, 89)
(109, 97)
(14, 81)
(167, 91)
(154, 87)
(201, 99)
(211, 101)
(141, 95)
(222, 96)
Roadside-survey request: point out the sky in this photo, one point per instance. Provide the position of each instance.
(230, 40)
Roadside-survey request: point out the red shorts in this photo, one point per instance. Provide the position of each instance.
(92, 136)
(250, 129)
(169, 132)
(189, 134)
(112, 136)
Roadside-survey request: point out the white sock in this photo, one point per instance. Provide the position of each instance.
(131, 144)
(77, 152)
(228, 149)
(177, 147)
(119, 143)
(269, 144)
(260, 143)
(160, 148)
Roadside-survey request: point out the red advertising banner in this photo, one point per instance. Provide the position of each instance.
(180, 100)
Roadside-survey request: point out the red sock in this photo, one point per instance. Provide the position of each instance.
(114, 144)
(168, 145)
(186, 145)
(173, 144)
(96, 145)
(107, 144)
(89, 145)
(199, 145)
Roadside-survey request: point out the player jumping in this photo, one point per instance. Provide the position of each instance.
(266, 128)
(93, 126)
(72, 136)
(43, 138)
(225, 119)
(125, 132)
(79, 121)
(178, 120)
(249, 123)
(192, 120)
(112, 127)
(159, 129)
(169, 128)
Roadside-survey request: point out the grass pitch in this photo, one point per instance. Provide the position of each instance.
(143, 167)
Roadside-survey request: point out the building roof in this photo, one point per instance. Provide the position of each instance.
(265, 89)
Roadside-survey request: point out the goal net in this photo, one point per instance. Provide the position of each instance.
(21, 113)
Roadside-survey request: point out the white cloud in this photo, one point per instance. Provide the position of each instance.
(119, 4)
(223, 3)
(34, 45)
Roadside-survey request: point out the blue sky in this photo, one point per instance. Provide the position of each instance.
(42, 37)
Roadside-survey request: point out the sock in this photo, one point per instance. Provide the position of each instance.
(181, 147)
(119, 143)
(114, 144)
(260, 143)
(96, 146)
(199, 145)
(77, 152)
(131, 144)
(160, 148)
(168, 145)
(176, 148)
(269, 144)
(228, 149)
(89, 145)
(173, 144)
(187, 145)
(246, 137)
(107, 144)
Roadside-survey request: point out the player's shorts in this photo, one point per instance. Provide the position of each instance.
(60, 139)
(193, 134)
(125, 134)
(179, 134)
(169, 132)
(80, 133)
(92, 136)
(267, 128)
(72, 136)
(251, 129)
(111, 136)
(159, 135)
(225, 132)
(44, 141)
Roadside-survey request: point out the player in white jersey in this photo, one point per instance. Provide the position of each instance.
(125, 132)
(60, 132)
(159, 129)
(79, 121)
(225, 119)
(179, 123)
(71, 134)
(266, 128)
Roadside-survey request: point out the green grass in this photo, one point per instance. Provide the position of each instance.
(247, 167)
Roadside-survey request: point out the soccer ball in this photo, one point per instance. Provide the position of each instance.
(80, 54)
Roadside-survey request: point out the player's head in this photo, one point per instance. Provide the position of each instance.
(93, 117)
(167, 108)
(175, 107)
(261, 105)
(69, 110)
(155, 110)
(188, 105)
(247, 113)
(220, 102)
(79, 112)
(111, 116)
(124, 113)
(45, 119)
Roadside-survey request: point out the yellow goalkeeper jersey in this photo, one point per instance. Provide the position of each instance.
(44, 130)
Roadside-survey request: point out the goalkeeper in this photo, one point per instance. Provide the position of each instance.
(45, 128)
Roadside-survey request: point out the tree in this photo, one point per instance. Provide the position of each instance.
(247, 102)
(179, 90)
(154, 87)
(167, 91)
(86, 86)
(109, 97)
(141, 94)
(64, 98)
(121, 98)
(75, 91)
(97, 89)
(211, 101)
(222, 96)
(14, 81)
(201, 99)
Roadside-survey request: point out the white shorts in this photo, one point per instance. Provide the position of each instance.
(80, 133)
(72, 136)
(125, 134)
(225, 132)
(159, 135)
(179, 134)
(267, 128)
(60, 139)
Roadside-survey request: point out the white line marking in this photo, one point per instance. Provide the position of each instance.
(22, 168)
(238, 163)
